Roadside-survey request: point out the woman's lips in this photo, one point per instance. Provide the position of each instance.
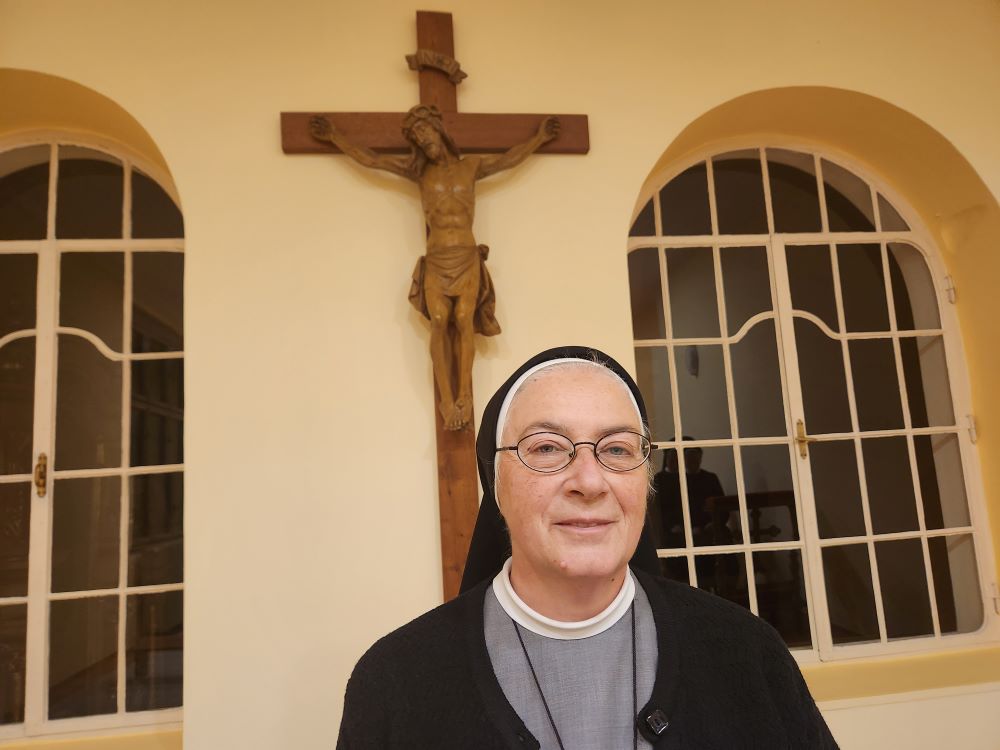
(583, 525)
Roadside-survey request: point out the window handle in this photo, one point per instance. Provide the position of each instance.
(42, 474)
(802, 439)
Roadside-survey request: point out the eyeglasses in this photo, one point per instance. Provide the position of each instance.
(549, 452)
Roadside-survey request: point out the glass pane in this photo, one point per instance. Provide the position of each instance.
(913, 294)
(92, 287)
(15, 525)
(88, 407)
(781, 595)
(862, 286)
(13, 646)
(890, 218)
(956, 583)
(747, 284)
(691, 279)
(154, 651)
(88, 195)
(739, 193)
(85, 533)
(18, 281)
(24, 194)
(83, 657)
(757, 383)
(665, 516)
(157, 412)
(713, 498)
(928, 390)
(942, 483)
(653, 376)
(156, 529)
(701, 386)
(675, 568)
(725, 575)
(158, 297)
(824, 386)
(876, 386)
(810, 277)
(684, 208)
(644, 225)
(794, 195)
(154, 213)
(903, 581)
(17, 405)
(835, 484)
(850, 596)
(646, 294)
(891, 501)
(767, 478)
(848, 200)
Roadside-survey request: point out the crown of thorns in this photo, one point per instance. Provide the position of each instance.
(422, 113)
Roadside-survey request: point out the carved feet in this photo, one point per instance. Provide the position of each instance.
(458, 414)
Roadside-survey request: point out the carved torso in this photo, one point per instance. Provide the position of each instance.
(448, 194)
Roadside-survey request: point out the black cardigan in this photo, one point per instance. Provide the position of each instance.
(724, 680)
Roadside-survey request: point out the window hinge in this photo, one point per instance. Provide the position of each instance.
(41, 474)
(996, 598)
(949, 288)
(973, 433)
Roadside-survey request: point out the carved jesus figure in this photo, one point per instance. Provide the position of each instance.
(451, 285)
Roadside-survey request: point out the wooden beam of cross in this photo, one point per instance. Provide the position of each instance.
(381, 132)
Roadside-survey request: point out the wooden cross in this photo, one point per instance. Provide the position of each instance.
(439, 75)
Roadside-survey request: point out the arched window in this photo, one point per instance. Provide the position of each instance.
(91, 443)
(793, 334)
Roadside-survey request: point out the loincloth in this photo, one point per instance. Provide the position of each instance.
(453, 268)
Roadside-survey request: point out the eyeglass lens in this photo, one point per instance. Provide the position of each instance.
(550, 451)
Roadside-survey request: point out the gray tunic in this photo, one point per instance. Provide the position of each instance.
(587, 682)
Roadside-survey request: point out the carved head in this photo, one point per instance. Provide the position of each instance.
(421, 120)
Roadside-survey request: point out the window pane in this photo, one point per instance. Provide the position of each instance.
(653, 376)
(824, 385)
(15, 525)
(890, 218)
(665, 516)
(836, 488)
(757, 383)
(903, 581)
(675, 568)
(694, 312)
(942, 484)
(876, 386)
(913, 295)
(701, 386)
(848, 200)
(646, 294)
(747, 284)
(83, 657)
(684, 208)
(154, 213)
(154, 651)
(157, 412)
(18, 281)
(644, 225)
(88, 195)
(24, 194)
(724, 575)
(156, 529)
(767, 478)
(862, 286)
(891, 500)
(88, 407)
(157, 302)
(794, 196)
(713, 498)
(92, 287)
(17, 405)
(928, 389)
(850, 596)
(13, 646)
(739, 193)
(781, 595)
(810, 277)
(956, 583)
(85, 533)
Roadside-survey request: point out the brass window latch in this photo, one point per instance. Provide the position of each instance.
(802, 439)
(42, 474)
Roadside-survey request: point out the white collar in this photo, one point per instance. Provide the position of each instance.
(528, 618)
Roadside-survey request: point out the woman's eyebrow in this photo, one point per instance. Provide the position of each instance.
(562, 429)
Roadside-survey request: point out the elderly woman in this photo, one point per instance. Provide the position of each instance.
(557, 641)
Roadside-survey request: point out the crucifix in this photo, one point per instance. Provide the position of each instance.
(451, 285)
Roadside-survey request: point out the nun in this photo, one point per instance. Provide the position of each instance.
(564, 636)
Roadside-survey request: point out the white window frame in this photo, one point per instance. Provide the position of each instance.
(823, 649)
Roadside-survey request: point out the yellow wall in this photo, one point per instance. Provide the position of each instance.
(301, 343)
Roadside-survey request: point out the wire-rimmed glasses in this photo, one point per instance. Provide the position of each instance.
(549, 452)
